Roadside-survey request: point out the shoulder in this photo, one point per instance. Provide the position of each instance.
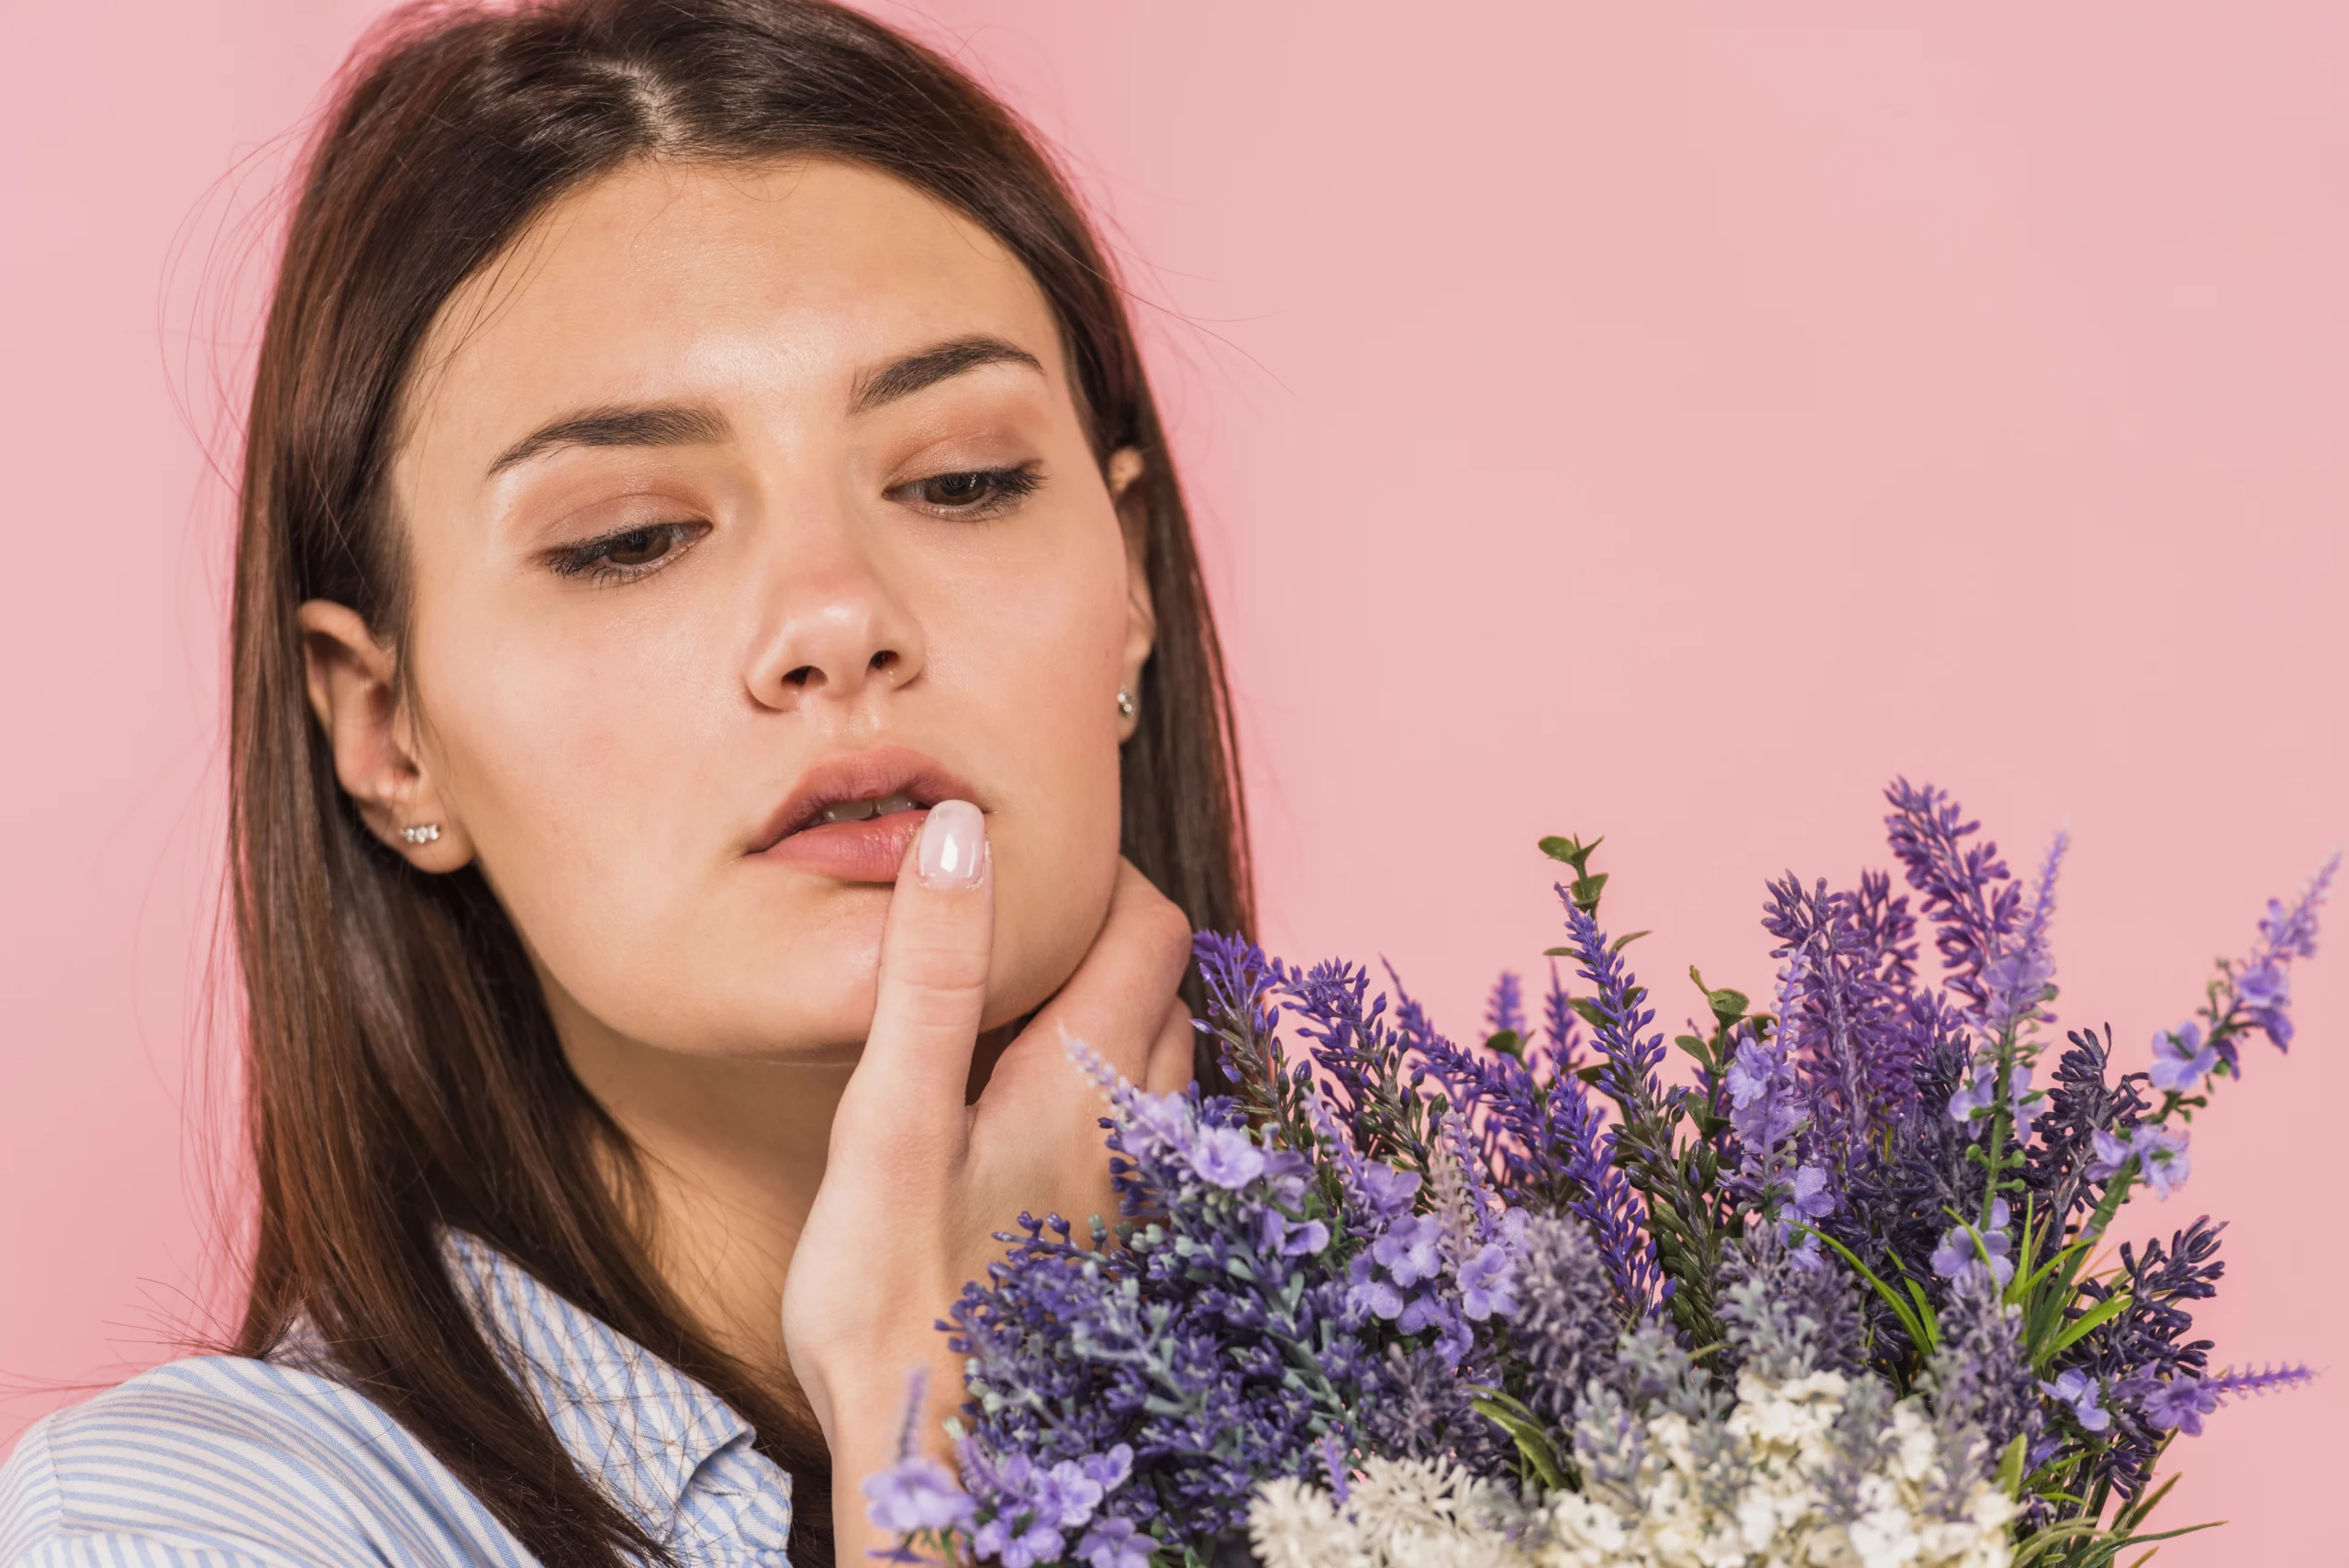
(223, 1461)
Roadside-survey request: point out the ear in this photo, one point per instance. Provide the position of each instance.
(354, 693)
(1141, 613)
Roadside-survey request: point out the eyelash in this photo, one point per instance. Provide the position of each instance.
(1005, 488)
(589, 560)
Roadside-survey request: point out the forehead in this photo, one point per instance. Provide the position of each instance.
(721, 281)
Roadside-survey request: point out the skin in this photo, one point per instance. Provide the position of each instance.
(622, 659)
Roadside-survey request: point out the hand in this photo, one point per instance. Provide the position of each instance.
(917, 1182)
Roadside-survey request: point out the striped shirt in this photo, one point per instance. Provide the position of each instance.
(219, 1462)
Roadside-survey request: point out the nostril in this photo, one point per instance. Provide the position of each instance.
(801, 676)
(884, 659)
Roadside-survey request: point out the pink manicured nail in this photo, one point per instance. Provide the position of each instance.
(953, 845)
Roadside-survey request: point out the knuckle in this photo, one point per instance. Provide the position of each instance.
(1169, 932)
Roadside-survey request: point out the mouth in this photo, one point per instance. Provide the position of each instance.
(852, 817)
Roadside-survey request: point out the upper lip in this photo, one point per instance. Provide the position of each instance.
(861, 775)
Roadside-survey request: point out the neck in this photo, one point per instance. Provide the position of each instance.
(732, 1150)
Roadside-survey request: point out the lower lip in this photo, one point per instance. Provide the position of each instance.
(868, 851)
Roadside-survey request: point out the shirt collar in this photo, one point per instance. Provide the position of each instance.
(636, 1425)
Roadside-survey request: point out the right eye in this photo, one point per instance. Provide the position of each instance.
(629, 554)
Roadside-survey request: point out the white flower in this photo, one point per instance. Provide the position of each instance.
(1756, 1491)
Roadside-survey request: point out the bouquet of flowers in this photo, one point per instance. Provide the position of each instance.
(1842, 1294)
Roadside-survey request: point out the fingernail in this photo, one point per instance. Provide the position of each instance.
(953, 845)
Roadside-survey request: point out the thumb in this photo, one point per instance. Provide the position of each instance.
(936, 950)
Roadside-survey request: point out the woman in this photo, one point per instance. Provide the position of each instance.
(722, 696)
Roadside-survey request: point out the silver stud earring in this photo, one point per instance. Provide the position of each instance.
(1125, 703)
(422, 833)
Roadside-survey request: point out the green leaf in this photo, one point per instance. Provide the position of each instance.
(1525, 1430)
(1557, 952)
(1566, 849)
(2042, 1543)
(2010, 1465)
(1591, 1012)
(1593, 1073)
(1507, 1042)
(1924, 1333)
(1924, 1309)
(1622, 942)
(2085, 1323)
(1728, 1005)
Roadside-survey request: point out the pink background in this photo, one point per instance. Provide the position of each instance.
(1665, 421)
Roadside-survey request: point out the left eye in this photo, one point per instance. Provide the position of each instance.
(971, 490)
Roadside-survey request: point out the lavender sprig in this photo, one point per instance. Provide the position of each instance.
(1684, 1212)
(1968, 895)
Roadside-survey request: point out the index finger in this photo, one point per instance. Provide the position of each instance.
(936, 950)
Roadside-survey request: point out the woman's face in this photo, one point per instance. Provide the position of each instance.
(736, 499)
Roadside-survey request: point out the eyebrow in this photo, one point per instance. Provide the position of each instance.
(683, 425)
(917, 372)
(629, 424)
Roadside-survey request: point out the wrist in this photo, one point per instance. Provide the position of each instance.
(865, 1409)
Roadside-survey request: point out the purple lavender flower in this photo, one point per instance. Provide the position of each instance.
(1968, 895)
(2160, 1155)
(1841, 997)
(2291, 933)
(1959, 1250)
(1398, 1278)
(2262, 982)
(1488, 1283)
(2267, 1380)
(1981, 1372)
(1278, 1235)
(1018, 1546)
(1808, 1196)
(2180, 1403)
(1066, 1495)
(1605, 1196)
(1116, 1544)
(1387, 1191)
(1372, 1293)
(2268, 986)
(1505, 1013)
(2265, 993)
(1411, 1250)
(2180, 1059)
(2161, 1158)
(1976, 1096)
(1604, 1199)
(1765, 1103)
(2017, 975)
(1227, 1157)
(915, 1494)
(2080, 1391)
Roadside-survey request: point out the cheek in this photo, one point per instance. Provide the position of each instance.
(1042, 686)
(584, 764)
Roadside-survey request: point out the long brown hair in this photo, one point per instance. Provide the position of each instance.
(403, 1074)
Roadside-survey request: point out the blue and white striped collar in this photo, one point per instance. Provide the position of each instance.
(675, 1457)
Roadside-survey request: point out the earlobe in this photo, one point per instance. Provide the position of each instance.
(1141, 612)
(1125, 467)
(352, 684)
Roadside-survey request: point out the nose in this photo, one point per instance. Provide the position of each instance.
(833, 629)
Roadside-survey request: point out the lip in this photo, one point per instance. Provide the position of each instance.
(867, 851)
